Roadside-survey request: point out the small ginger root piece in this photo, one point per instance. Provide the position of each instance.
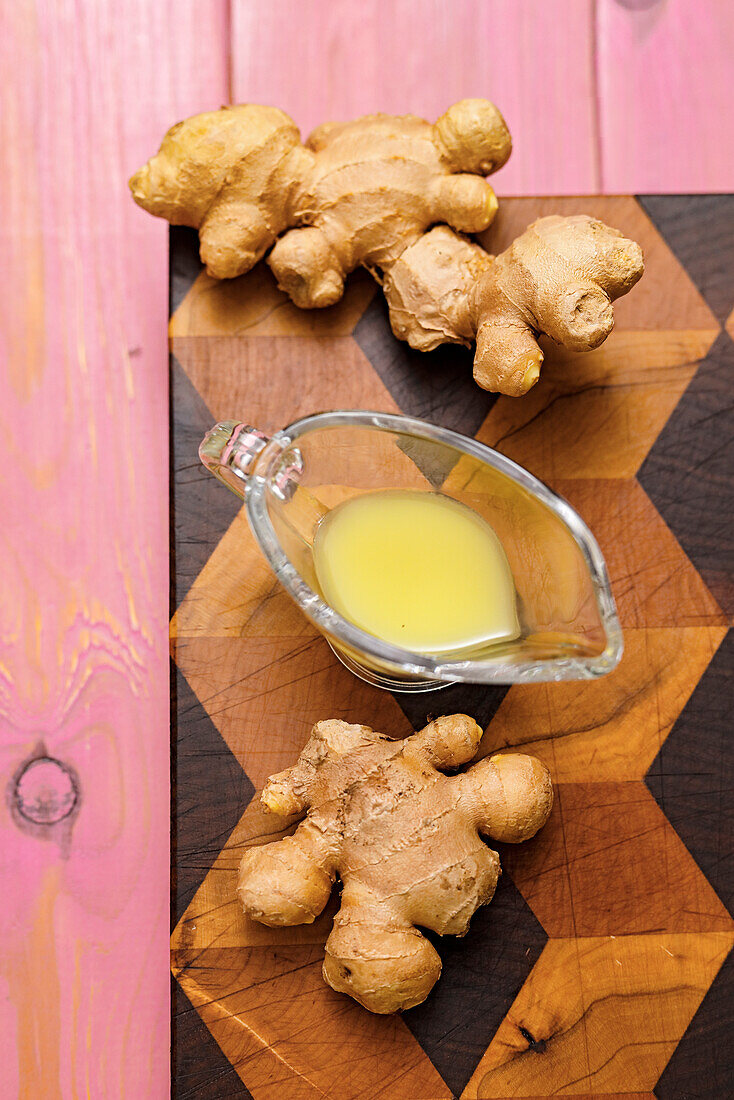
(404, 840)
(357, 193)
(559, 278)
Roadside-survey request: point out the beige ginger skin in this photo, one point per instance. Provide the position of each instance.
(356, 193)
(559, 278)
(404, 839)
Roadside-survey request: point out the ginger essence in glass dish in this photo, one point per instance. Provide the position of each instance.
(424, 557)
(417, 569)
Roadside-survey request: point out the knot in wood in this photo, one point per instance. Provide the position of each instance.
(46, 791)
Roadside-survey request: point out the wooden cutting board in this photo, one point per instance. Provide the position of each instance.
(599, 968)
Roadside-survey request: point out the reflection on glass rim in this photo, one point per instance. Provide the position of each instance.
(498, 668)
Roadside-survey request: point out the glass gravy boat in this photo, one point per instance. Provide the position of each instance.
(569, 625)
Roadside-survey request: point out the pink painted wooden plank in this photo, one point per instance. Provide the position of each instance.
(87, 91)
(321, 60)
(666, 87)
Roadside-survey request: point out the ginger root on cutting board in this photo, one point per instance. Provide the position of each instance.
(559, 278)
(403, 839)
(357, 193)
(366, 192)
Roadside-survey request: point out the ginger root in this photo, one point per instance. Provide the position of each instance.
(559, 278)
(366, 192)
(404, 840)
(357, 193)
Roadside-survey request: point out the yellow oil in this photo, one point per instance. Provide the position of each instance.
(418, 569)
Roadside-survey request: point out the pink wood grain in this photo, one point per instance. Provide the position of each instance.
(666, 87)
(600, 95)
(87, 90)
(322, 60)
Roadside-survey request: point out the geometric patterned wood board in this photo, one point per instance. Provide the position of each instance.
(600, 966)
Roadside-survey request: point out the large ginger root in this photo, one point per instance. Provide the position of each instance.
(559, 278)
(358, 193)
(404, 840)
(365, 192)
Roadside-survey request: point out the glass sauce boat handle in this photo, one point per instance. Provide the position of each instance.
(229, 449)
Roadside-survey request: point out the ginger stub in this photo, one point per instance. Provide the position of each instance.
(558, 278)
(404, 839)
